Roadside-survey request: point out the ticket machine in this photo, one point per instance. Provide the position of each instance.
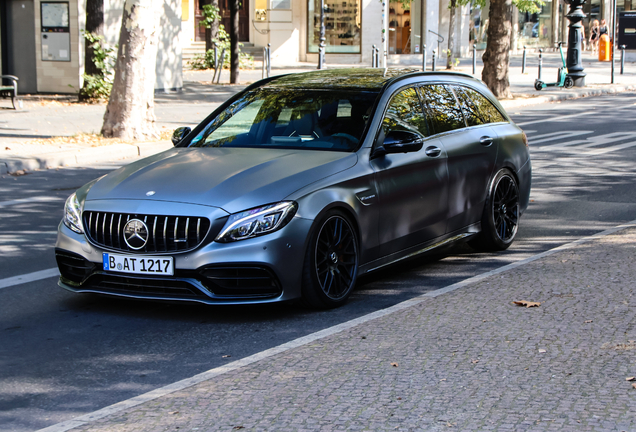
(55, 31)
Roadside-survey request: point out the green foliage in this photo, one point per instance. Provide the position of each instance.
(531, 6)
(210, 16)
(98, 86)
(222, 41)
(453, 63)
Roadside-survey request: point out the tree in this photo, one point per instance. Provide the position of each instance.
(452, 5)
(95, 26)
(211, 21)
(234, 41)
(130, 112)
(497, 55)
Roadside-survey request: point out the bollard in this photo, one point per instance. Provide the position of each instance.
(264, 61)
(433, 60)
(218, 78)
(373, 56)
(622, 58)
(377, 57)
(523, 61)
(540, 62)
(269, 60)
(424, 58)
(474, 58)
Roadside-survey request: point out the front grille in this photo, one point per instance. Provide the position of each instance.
(240, 281)
(74, 268)
(165, 233)
(144, 286)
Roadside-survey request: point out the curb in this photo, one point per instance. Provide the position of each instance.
(525, 99)
(82, 157)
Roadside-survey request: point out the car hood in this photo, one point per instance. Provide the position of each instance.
(233, 179)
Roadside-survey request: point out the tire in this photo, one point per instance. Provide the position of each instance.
(331, 262)
(568, 82)
(500, 219)
(538, 85)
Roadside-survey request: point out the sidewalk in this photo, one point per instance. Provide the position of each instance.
(463, 358)
(23, 133)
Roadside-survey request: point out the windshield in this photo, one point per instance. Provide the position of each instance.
(295, 119)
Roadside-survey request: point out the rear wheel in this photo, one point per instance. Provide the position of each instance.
(331, 262)
(538, 85)
(568, 82)
(500, 219)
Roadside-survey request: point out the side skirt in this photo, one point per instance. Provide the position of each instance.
(437, 243)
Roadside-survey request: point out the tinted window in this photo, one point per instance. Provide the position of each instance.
(299, 119)
(405, 113)
(488, 111)
(444, 113)
(471, 111)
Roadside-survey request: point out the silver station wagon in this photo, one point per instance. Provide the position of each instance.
(299, 184)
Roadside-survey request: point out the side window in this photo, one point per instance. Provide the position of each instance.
(488, 111)
(471, 111)
(405, 113)
(444, 113)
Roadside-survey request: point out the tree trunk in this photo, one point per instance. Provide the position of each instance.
(130, 112)
(451, 34)
(234, 41)
(497, 56)
(95, 25)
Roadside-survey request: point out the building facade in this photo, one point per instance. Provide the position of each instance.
(42, 43)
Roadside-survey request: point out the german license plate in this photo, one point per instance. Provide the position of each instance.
(138, 264)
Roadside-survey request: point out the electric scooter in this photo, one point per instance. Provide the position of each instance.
(563, 79)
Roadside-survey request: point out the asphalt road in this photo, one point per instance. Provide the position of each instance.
(63, 354)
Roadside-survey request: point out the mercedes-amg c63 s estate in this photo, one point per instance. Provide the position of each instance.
(299, 184)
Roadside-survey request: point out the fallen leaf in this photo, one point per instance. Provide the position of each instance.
(174, 412)
(475, 361)
(443, 379)
(634, 385)
(542, 351)
(226, 356)
(630, 378)
(399, 398)
(526, 303)
(394, 364)
(588, 321)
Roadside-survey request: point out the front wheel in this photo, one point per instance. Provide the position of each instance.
(331, 262)
(500, 219)
(568, 82)
(538, 85)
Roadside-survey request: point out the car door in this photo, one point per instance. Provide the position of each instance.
(471, 149)
(412, 187)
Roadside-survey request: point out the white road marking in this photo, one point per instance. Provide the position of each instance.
(569, 116)
(29, 200)
(212, 373)
(553, 136)
(593, 141)
(29, 277)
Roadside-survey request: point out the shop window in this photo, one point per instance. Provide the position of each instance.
(404, 27)
(342, 26)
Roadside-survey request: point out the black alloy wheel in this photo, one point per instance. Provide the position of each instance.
(331, 264)
(500, 220)
(505, 208)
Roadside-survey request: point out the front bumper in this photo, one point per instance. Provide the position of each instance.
(259, 270)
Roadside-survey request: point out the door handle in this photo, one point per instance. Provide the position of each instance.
(485, 141)
(433, 151)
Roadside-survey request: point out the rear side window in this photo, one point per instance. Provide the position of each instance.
(443, 110)
(405, 113)
(471, 111)
(488, 112)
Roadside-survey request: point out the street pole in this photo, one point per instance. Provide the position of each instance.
(573, 62)
(321, 47)
(385, 34)
(613, 36)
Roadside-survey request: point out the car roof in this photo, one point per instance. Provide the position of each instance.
(372, 79)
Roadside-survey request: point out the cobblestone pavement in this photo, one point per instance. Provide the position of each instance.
(466, 360)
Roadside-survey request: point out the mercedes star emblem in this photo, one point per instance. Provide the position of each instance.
(135, 234)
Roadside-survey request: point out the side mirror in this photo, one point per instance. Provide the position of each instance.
(399, 141)
(180, 133)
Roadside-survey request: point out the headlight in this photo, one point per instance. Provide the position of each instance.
(72, 214)
(257, 221)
